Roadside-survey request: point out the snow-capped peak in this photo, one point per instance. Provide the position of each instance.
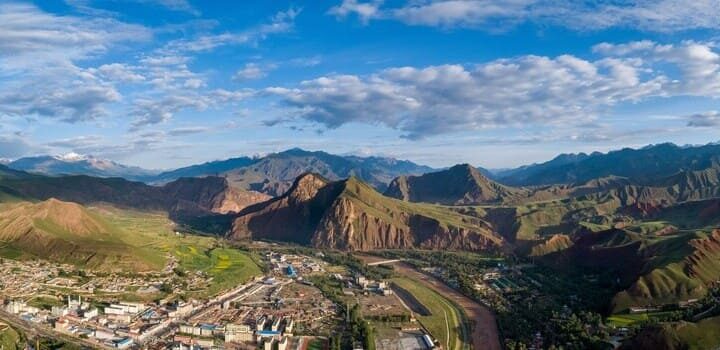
(72, 157)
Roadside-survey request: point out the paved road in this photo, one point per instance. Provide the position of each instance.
(33, 331)
(484, 333)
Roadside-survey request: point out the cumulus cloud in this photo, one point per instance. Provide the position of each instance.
(442, 99)
(71, 103)
(651, 15)
(527, 90)
(38, 51)
(364, 10)
(697, 63)
(704, 120)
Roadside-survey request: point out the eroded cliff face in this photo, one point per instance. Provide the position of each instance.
(344, 227)
(209, 194)
(349, 215)
(347, 227)
(292, 217)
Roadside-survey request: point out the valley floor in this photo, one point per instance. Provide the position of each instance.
(484, 332)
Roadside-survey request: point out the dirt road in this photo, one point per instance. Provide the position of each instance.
(484, 332)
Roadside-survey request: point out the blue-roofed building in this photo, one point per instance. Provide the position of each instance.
(267, 334)
(122, 343)
(291, 271)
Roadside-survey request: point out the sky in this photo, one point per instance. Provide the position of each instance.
(495, 83)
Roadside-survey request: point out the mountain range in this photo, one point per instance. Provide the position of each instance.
(646, 222)
(645, 163)
(271, 174)
(351, 215)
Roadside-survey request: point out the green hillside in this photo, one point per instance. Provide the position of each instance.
(701, 335)
(69, 233)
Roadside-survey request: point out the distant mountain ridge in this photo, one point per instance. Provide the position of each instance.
(644, 164)
(275, 173)
(459, 185)
(75, 164)
(272, 174)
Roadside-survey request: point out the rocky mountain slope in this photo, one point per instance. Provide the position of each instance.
(459, 185)
(351, 215)
(649, 269)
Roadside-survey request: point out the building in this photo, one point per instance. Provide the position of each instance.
(124, 308)
(289, 324)
(200, 330)
(122, 343)
(276, 324)
(428, 341)
(62, 325)
(361, 281)
(283, 344)
(238, 333)
(181, 309)
(260, 324)
(90, 313)
(19, 307)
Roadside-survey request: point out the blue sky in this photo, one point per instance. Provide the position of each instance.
(167, 83)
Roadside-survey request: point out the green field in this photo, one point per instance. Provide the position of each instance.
(629, 320)
(9, 338)
(154, 232)
(136, 241)
(446, 322)
(228, 267)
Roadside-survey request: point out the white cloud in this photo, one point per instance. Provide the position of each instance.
(176, 5)
(364, 10)
(450, 98)
(698, 63)
(38, 52)
(650, 15)
(252, 71)
(29, 36)
(118, 72)
(159, 109)
(521, 91)
(281, 22)
(77, 142)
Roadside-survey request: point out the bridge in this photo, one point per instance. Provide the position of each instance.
(384, 262)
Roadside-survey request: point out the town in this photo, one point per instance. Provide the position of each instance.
(278, 310)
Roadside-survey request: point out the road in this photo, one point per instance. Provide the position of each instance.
(484, 334)
(33, 331)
